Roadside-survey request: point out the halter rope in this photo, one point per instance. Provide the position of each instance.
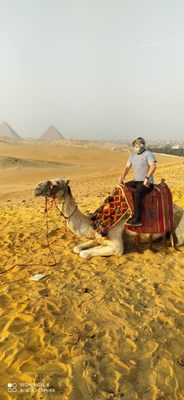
(63, 215)
(46, 221)
(53, 195)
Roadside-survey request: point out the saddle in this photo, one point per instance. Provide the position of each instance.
(157, 214)
(157, 211)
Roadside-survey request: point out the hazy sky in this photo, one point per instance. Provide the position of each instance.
(94, 68)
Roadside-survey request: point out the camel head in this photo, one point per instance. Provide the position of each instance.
(54, 188)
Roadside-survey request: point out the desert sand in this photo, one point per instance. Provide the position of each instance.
(105, 328)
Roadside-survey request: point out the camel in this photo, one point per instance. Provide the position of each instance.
(79, 224)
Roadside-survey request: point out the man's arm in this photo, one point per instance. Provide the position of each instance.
(152, 168)
(125, 172)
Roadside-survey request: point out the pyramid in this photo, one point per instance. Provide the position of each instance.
(6, 132)
(51, 134)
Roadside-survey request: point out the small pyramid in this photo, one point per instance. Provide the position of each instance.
(51, 134)
(6, 132)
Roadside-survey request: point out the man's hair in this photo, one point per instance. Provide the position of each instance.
(138, 138)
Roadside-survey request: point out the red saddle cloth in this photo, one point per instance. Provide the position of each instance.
(157, 213)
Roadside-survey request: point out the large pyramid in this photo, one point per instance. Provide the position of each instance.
(51, 134)
(6, 132)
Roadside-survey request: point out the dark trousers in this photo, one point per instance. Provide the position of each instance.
(139, 193)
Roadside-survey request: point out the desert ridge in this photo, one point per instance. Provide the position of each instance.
(104, 328)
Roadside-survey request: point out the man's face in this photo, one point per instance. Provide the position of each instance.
(138, 142)
(138, 145)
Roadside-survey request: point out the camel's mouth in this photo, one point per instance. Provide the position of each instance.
(42, 190)
(37, 192)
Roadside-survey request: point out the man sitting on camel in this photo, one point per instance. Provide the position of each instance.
(143, 162)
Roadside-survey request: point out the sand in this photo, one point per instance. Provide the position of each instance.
(104, 328)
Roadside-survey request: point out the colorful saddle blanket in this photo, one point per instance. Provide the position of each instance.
(112, 210)
(157, 213)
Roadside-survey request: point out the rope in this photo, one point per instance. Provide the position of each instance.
(47, 231)
(47, 237)
(63, 215)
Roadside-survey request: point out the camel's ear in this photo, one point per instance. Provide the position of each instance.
(67, 182)
(60, 182)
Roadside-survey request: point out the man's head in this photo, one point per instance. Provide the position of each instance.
(139, 145)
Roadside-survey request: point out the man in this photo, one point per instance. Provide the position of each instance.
(143, 162)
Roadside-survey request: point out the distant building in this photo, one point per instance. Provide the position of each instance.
(51, 134)
(6, 132)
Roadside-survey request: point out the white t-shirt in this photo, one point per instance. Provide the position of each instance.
(140, 164)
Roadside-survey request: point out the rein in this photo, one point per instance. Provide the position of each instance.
(47, 225)
(47, 233)
(66, 217)
(51, 253)
(53, 195)
(47, 230)
(62, 214)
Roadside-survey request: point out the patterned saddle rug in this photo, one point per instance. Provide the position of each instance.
(157, 213)
(113, 209)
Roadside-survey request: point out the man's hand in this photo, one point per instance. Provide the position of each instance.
(121, 180)
(146, 182)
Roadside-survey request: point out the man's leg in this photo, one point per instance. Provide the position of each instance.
(140, 192)
(132, 184)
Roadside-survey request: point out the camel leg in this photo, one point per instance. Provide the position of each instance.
(138, 244)
(151, 244)
(99, 251)
(86, 245)
(174, 241)
(165, 243)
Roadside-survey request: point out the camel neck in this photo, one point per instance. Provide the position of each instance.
(69, 205)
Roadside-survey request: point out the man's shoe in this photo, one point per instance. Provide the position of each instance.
(130, 220)
(136, 223)
(133, 222)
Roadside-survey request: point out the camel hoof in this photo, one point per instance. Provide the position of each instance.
(76, 250)
(84, 254)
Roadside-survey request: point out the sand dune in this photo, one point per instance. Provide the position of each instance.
(13, 162)
(105, 328)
